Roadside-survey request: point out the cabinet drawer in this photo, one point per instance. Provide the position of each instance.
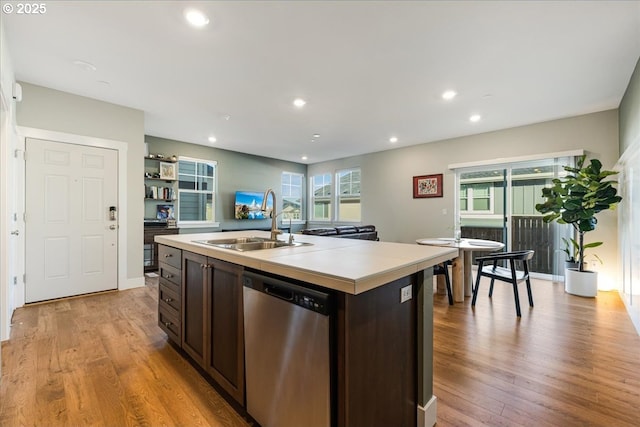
(169, 323)
(170, 274)
(170, 297)
(171, 256)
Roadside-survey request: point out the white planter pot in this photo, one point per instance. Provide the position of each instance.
(581, 283)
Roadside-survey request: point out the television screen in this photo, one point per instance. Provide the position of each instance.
(248, 204)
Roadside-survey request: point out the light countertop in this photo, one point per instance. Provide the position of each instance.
(348, 265)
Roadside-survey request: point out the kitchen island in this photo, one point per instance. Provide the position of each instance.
(381, 329)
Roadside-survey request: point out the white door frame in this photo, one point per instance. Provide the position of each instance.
(121, 148)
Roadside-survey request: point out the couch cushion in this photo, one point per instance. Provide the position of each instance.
(365, 228)
(346, 229)
(320, 231)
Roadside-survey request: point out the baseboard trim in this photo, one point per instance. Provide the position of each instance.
(427, 413)
(136, 282)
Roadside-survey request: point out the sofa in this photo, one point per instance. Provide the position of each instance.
(363, 232)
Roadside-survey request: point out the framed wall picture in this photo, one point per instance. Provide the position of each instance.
(167, 170)
(427, 186)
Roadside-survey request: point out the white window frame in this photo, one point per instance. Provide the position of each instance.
(313, 198)
(490, 211)
(338, 196)
(214, 192)
(300, 220)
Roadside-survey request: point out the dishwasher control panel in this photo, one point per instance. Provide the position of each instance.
(293, 293)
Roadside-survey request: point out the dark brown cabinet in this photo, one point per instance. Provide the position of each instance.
(377, 375)
(151, 247)
(375, 341)
(170, 292)
(212, 325)
(194, 275)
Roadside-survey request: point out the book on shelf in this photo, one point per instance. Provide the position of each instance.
(160, 193)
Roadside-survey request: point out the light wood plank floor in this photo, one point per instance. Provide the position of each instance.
(102, 361)
(569, 361)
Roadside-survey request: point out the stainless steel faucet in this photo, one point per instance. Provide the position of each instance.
(274, 223)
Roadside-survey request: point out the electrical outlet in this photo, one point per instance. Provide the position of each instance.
(405, 294)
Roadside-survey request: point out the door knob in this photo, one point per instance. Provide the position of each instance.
(15, 232)
(113, 227)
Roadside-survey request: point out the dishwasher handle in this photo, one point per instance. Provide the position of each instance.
(278, 292)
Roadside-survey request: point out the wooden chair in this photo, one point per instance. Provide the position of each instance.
(443, 269)
(506, 274)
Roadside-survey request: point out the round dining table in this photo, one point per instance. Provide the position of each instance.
(462, 279)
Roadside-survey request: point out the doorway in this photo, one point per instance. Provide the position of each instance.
(497, 202)
(72, 221)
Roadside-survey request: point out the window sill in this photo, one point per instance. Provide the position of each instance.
(199, 224)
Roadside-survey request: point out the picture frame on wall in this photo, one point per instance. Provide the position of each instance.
(425, 186)
(167, 170)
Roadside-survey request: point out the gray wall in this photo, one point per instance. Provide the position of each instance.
(236, 171)
(630, 112)
(49, 109)
(387, 194)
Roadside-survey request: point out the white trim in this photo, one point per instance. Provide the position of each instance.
(197, 224)
(121, 147)
(506, 160)
(628, 155)
(427, 414)
(136, 282)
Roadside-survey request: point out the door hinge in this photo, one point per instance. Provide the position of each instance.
(15, 280)
(24, 278)
(15, 216)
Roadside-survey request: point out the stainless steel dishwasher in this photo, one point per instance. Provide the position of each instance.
(287, 353)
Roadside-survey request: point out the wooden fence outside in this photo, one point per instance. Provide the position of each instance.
(528, 232)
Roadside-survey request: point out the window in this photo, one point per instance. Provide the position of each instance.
(321, 197)
(349, 208)
(196, 191)
(292, 196)
(344, 205)
(476, 198)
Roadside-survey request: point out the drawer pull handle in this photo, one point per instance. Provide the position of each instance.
(168, 255)
(168, 276)
(168, 299)
(167, 324)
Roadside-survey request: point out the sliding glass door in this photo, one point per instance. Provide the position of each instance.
(498, 203)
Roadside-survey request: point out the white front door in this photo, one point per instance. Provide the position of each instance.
(71, 242)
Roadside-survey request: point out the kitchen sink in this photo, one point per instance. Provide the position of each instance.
(243, 244)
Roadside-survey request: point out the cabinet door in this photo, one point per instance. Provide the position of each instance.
(194, 275)
(225, 330)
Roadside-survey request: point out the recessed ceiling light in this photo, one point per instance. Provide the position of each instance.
(449, 95)
(87, 66)
(299, 102)
(475, 118)
(316, 135)
(304, 157)
(212, 139)
(393, 139)
(195, 18)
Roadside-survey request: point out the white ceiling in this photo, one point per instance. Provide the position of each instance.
(368, 70)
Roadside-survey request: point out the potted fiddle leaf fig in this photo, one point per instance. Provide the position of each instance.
(576, 199)
(572, 250)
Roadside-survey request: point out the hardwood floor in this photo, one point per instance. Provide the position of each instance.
(569, 361)
(102, 361)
